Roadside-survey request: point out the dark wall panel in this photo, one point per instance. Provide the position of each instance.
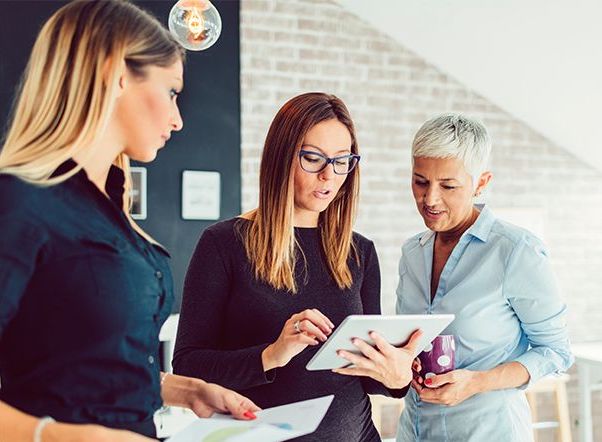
(210, 107)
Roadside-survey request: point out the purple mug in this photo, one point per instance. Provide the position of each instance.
(438, 357)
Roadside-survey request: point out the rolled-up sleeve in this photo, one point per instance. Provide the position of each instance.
(531, 288)
(20, 244)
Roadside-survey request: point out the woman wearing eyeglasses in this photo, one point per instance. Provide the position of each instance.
(265, 289)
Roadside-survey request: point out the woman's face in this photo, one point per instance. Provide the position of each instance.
(443, 191)
(147, 111)
(315, 191)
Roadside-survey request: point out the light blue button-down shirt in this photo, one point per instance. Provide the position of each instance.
(499, 283)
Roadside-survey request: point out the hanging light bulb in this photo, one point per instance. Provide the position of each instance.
(196, 24)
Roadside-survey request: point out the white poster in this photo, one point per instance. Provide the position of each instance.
(138, 192)
(201, 195)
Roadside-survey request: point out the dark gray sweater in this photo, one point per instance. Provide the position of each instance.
(228, 318)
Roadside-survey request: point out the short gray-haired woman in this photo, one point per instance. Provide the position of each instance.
(510, 326)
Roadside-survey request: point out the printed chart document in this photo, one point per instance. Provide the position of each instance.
(272, 424)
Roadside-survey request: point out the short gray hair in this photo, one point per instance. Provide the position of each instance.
(453, 135)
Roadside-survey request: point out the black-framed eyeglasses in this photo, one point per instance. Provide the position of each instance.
(314, 162)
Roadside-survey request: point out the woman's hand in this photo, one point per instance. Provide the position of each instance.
(450, 388)
(389, 365)
(310, 327)
(212, 398)
(204, 398)
(416, 369)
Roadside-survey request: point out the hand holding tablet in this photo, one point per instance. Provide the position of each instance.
(383, 362)
(371, 342)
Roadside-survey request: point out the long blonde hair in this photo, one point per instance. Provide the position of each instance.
(70, 84)
(269, 239)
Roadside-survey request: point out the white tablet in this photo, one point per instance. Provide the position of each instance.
(396, 329)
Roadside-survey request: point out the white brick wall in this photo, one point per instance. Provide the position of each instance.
(293, 46)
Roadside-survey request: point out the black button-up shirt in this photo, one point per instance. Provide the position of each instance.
(82, 300)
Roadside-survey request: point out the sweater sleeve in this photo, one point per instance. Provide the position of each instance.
(198, 350)
(370, 293)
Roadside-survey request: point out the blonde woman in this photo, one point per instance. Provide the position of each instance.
(265, 289)
(83, 289)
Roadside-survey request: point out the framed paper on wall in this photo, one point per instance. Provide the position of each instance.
(138, 192)
(201, 195)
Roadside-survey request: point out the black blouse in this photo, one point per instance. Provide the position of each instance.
(228, 318)
(82, 300)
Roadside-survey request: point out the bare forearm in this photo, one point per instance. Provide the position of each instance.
(268, 360)
(509, 375)
(15, 426)
(176, 390)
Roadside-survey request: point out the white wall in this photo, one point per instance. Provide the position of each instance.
(539, 60)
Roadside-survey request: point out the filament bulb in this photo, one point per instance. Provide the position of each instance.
(196, 24)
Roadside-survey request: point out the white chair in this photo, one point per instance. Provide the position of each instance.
(169, 420)
(167, 337)
(557, 386)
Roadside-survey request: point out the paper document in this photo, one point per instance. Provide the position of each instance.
(272, 424)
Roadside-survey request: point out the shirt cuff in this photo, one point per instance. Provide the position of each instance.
(398, 393)
(532, 362)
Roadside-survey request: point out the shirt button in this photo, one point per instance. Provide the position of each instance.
(151, 360)
(159, 274)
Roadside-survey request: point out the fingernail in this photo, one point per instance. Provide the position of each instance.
(428, 381)
(250, 415)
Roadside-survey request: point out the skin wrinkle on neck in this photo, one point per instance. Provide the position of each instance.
(452, 236)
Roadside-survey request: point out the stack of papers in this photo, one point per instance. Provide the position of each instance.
(272, 424)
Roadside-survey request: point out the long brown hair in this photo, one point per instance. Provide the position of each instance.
(69, 87)
(270, 239)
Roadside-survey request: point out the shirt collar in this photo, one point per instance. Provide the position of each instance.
(484, 223)
(114, 185)
(480, 229)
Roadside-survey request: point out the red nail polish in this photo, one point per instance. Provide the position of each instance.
(428, 381)
(250, 415)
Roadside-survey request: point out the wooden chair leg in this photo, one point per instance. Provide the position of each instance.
(562, 408)
(532, 399)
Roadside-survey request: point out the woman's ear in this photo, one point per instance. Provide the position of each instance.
(483, 182)
(123, 79)
(119, 72)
